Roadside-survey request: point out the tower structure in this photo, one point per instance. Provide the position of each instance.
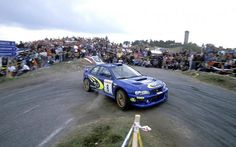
(186, 35)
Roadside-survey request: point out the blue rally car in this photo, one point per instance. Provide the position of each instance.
(126, 85)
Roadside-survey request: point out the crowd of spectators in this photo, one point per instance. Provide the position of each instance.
(43, 53)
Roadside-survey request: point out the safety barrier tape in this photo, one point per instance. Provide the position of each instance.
(127, 137)
(144, 128)
(88, 60)
(135, 126)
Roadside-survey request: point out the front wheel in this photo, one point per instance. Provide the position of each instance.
(87, 85)
(122, 99)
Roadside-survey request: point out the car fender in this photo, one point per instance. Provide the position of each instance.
(119, 88)
(126, 88)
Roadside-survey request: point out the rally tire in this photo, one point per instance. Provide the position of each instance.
(87, 85)
(122, 100)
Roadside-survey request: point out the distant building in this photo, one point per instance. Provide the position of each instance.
(186, 35)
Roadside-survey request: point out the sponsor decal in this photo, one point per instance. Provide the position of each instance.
(132, 99)
(108, 86)
(152, 85)
(97, 83)
(140, 98)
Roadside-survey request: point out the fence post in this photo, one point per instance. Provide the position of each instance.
(136, 131)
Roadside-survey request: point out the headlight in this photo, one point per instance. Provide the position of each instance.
(164, 86)
(141, 92)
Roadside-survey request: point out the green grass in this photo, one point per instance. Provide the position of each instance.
(5, 79)
(107, 132)
(212, 78)
(102, 133)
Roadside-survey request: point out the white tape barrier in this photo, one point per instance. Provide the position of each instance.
(127, 137)
(144, 128)
(88, 60)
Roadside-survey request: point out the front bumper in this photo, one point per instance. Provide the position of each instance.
(147, 101)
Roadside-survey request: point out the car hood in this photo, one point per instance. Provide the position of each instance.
(142, 83)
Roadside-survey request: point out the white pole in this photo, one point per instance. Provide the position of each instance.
(136, 131)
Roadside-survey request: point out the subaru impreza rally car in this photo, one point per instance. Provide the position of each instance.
(124, 84)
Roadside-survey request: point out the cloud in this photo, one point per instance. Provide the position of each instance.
(51, 14)
(209, 21)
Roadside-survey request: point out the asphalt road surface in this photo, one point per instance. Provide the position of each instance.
(38, 111)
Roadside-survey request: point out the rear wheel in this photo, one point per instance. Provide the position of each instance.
(87, 85)
(122, 99)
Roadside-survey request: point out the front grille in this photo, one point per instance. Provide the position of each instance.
(151, 99)
(154, 91)
(155, 98)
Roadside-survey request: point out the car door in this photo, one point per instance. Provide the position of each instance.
(94, 82)
(106, 78)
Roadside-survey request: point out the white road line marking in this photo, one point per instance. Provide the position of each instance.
(54, 133)
(30, 109)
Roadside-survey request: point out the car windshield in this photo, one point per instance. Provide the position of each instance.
(124, 71)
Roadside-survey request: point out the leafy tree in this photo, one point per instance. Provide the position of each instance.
(192, 47)
(126, 42)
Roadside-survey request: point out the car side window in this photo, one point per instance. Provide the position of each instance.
(104, 72)
(95, 70)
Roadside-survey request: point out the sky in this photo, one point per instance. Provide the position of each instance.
(208, 21)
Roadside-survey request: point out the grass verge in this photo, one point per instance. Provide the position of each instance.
(212, 78)
(107, 132)
(101, 133)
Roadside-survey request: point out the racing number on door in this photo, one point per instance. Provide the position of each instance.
(108, 86)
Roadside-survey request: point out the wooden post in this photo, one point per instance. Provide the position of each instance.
(136, 130)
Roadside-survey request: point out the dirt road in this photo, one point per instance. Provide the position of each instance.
(38, 111)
